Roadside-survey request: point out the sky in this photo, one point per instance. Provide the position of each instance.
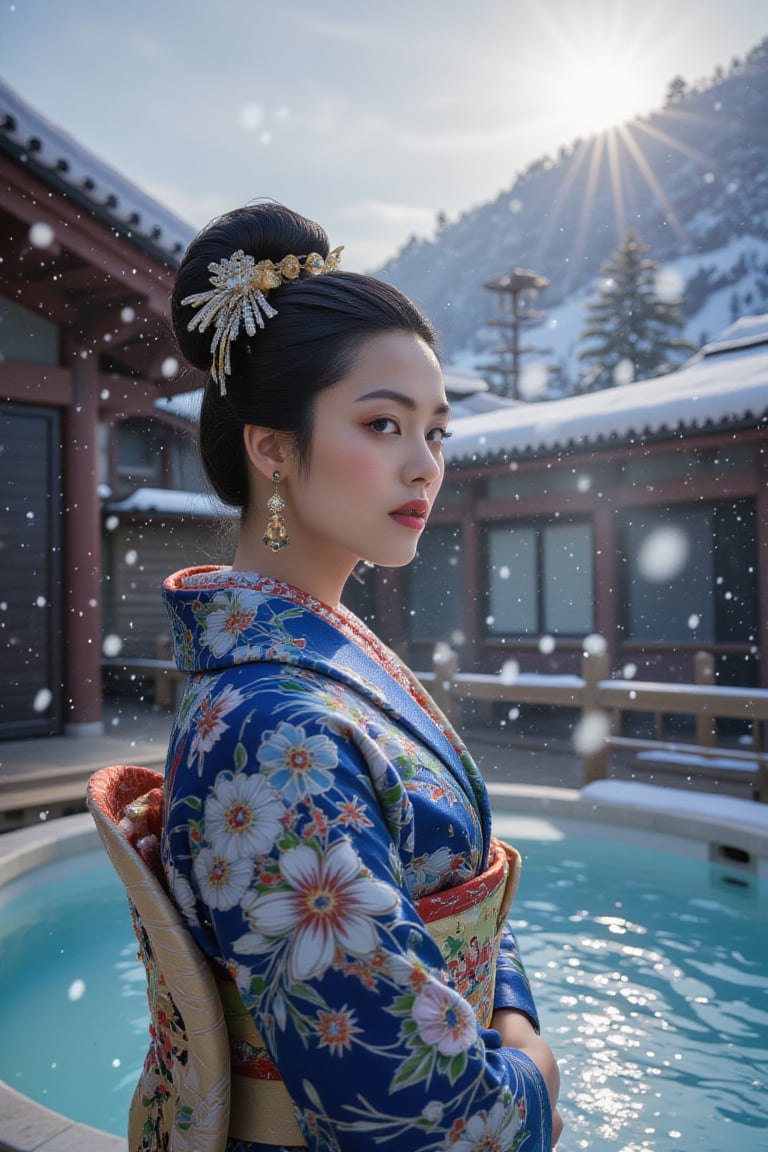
(370, 117)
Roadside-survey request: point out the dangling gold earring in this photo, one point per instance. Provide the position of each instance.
(276, 536)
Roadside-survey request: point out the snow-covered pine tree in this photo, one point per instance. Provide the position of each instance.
(630, 331)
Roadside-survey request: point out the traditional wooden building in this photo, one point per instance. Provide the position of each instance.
(85, 352)
(639, 513)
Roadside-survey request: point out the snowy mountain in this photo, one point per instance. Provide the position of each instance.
(691, 179)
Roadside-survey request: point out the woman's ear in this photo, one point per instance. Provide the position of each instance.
(268, 450)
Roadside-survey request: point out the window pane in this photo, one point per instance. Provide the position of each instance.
(736, 596)
(435, 585)
(670, 574)
(26, 336)
(512, 581)
(568, 583)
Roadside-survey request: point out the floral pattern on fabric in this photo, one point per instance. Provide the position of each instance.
(313, 794)
(167, 1054)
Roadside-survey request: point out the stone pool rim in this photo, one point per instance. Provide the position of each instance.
(698, 824)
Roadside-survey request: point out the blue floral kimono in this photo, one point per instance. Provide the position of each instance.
(313, 794)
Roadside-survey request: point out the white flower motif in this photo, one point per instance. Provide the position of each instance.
(430, 870)
(242, 816)
(444, 1019)
(329, 906)
(297, 765)
(232, 614)
(183, 894)
(492, 1131)
(208, 721)
(391, 745)
(433, 1111)
(222, 882)
(243, 977)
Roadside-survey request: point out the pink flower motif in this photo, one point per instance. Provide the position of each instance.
(444, 1019)
(330, 905)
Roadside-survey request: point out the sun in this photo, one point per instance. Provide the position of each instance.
(599, 90)
(594, 67)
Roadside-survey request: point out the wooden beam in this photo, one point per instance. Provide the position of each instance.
(35, 383)
(29, 200)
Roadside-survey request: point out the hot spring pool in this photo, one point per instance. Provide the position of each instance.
(649, 970)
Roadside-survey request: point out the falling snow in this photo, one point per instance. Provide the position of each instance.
(590, 733)
(663, 554)
(41, 235)
(112, 645)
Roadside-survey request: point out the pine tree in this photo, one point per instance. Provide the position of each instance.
(630, 329)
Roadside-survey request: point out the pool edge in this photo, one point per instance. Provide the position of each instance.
(30, 1127)
(665, 813)
(27, 1126)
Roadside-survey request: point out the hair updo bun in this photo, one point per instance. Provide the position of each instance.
(266, 232)
(306, 347)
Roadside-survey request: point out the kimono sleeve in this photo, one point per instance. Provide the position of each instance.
(513, 989)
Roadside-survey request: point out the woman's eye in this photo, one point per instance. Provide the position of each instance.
(440, 435)
(384, 424)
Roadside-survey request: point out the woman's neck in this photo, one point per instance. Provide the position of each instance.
(320, 576)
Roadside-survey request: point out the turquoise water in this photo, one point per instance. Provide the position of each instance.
(649, 970)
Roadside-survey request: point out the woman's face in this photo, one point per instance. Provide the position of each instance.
(375, 461)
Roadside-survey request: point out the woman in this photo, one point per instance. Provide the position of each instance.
(316, 801)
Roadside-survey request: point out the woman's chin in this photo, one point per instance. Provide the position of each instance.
(391, 557)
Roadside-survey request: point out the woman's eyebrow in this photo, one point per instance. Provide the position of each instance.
(401, 398)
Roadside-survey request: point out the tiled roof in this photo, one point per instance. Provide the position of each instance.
(69, 168)
(723, 385)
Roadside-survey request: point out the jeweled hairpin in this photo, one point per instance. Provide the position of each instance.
(238, 296)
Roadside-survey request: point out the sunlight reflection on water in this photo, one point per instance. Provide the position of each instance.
(651, 982)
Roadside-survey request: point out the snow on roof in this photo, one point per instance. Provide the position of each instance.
(172, 503)
(468, 395)
(459, 383)
(725, 383)
(63, 163)
(186, 405)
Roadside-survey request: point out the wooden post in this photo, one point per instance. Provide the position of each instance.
(595, 668)
(82, 541)
(445, 665)
(704, 673)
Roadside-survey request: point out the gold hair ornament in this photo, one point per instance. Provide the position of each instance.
(238, 296)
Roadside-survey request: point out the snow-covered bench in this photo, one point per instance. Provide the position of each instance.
(749, 769)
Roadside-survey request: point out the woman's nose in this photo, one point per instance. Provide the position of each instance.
(424, 465)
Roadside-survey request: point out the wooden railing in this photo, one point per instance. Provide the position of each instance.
(168, 682)
(597, 697)
(602, 701)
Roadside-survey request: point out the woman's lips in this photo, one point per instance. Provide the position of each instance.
(409, 520)
(412, 515)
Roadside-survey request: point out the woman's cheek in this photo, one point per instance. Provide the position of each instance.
(355, 463)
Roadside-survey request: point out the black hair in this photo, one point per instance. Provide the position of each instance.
(309, 345)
